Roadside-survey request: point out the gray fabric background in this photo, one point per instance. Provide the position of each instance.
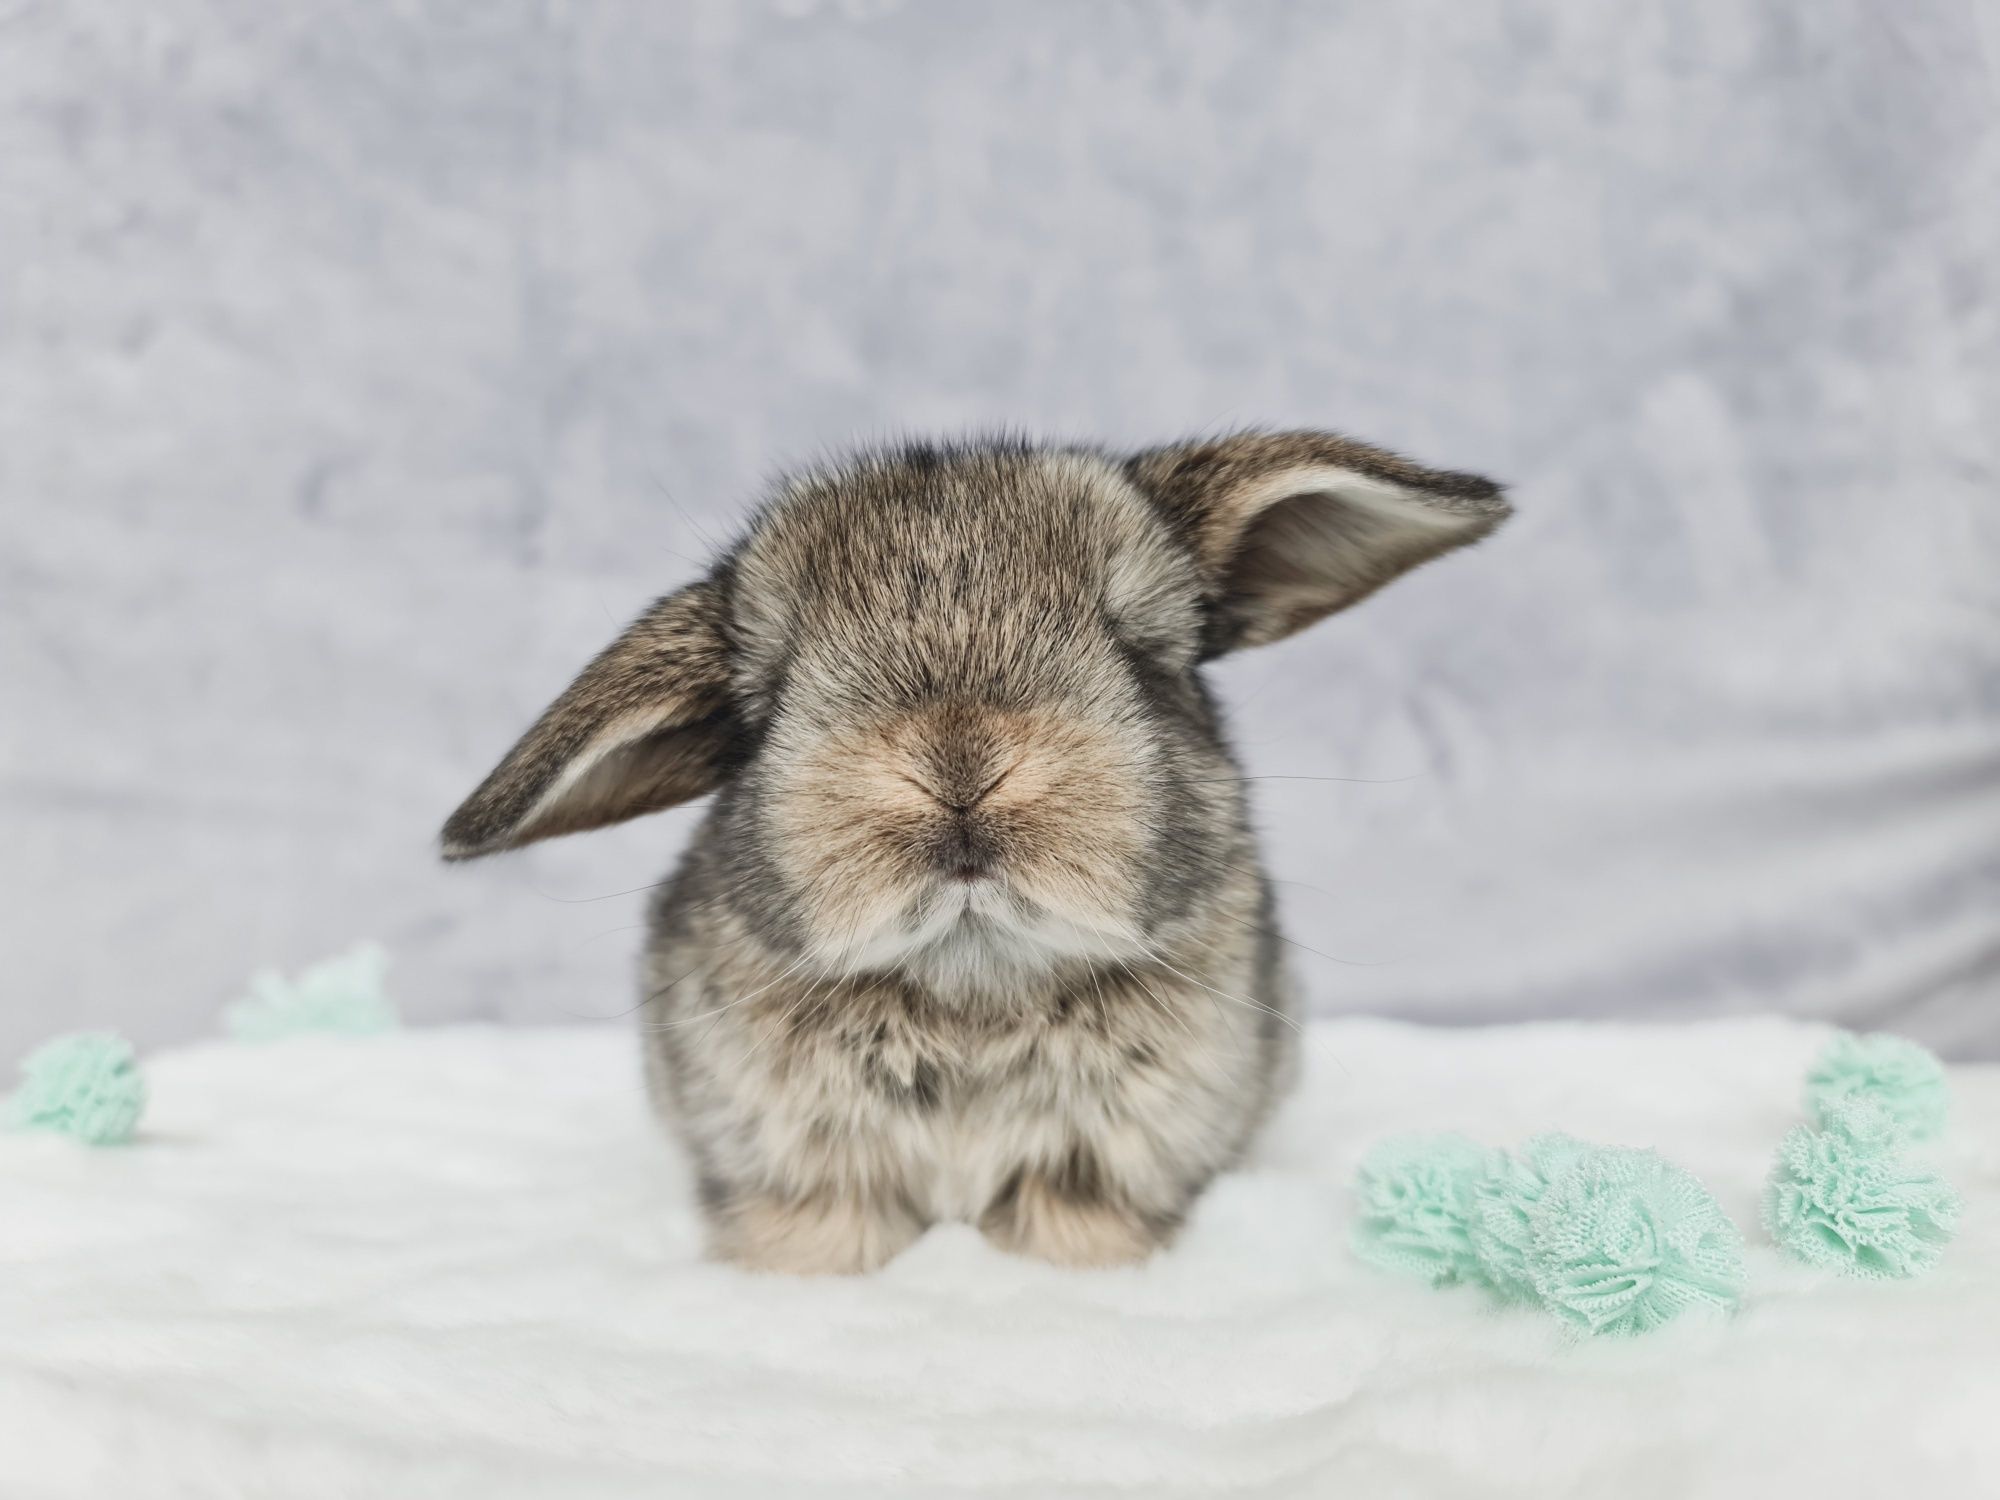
(362, 367)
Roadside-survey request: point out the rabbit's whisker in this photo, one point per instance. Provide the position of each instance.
(1225, 995)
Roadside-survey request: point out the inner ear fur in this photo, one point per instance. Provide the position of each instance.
(647, 725)
(1288, 527)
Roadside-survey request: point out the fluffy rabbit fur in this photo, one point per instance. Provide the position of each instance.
(975, 928)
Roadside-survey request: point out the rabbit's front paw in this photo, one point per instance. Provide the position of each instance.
(819, 1235)
(1059, 1222)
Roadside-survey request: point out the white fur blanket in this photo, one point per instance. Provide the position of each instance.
(464, 1263)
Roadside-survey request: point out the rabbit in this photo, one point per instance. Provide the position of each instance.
(975, 929)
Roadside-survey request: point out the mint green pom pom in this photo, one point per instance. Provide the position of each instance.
(1415, 1205)
(85, 1085)
(1623, 1241)
(1905, 1079)
(1843, 1199)
(342, 996)
(1502, 1202)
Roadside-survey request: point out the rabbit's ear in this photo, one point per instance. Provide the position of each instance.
(646, 725)
(1288, 527)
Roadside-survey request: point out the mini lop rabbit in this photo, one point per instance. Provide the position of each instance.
(975, 928)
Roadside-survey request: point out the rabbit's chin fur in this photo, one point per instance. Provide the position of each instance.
(966, 939)
(975, 927)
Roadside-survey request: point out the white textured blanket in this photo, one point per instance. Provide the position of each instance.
(464, 1263)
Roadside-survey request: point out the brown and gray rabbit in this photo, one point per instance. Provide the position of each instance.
(975, 928)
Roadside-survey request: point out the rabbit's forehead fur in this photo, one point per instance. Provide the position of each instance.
(979, 573)
(968, 662)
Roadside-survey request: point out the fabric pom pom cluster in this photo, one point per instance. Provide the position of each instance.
(88, 1085)
(1845, 1193)
(1612, 1240)
(1606, 1238)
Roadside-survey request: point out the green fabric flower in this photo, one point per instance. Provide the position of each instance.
(1902, 1077)
(1623, 1241)
(1843, 1199)
(341, 996)
(85, 1085)
(1415, 1206)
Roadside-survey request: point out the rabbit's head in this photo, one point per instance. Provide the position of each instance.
(952, 698)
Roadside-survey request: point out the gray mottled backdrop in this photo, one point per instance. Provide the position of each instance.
(363, 366)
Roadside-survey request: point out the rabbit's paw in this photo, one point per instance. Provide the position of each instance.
(1064, 1223)
(820, 1235)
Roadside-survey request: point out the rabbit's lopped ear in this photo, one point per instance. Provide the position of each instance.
(645, 726)
(1288, 527)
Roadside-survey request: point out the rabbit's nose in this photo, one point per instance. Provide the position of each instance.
(965, 852)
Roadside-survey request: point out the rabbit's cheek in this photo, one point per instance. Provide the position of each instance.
(1070, 826)
(851, 870)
